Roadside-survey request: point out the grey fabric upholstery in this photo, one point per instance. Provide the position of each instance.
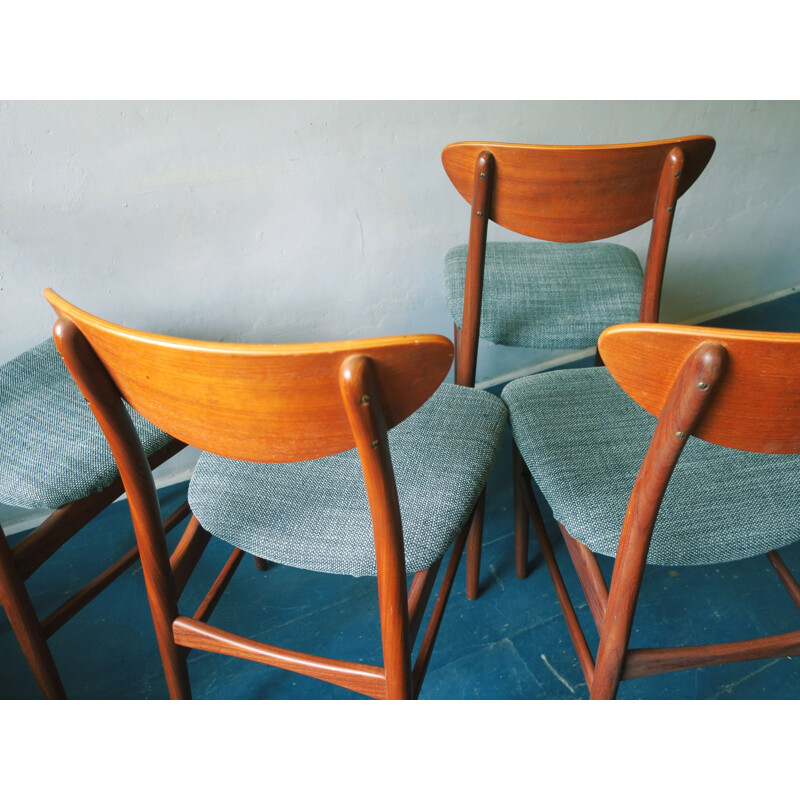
(314, 514)
(584, 440)
(549, 295)
(52, 450)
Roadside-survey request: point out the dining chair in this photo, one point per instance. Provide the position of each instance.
(53, 455)
(562, 291)
(682, 450)
(343, 457)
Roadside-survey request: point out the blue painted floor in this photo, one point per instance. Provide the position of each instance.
(511, 643)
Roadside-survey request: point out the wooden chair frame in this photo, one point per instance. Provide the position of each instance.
(366, 407)
(563, 194)
(701, 382)
(19, 562)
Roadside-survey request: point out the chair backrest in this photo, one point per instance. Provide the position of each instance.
(574, 193)
(265, 403)
(754, 407)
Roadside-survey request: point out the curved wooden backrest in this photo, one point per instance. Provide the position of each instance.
(574, 193)
(756, 405)
(266, 403)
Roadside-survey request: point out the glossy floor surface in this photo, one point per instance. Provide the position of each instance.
(511, 643)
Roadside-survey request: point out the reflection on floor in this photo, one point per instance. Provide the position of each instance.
(511, 643)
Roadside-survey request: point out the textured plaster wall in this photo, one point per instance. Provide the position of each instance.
(300, 221)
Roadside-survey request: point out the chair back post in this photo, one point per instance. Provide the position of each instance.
(663, 215)
(476, 259)
(106, 404)
(362, 400)
(689, 398)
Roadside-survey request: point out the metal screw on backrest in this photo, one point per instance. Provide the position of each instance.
(483, 175)
(671, 208)
(679, 434)
(365, 398)
(480, 213)
(677, 174)
(375, 443)
(702, 386)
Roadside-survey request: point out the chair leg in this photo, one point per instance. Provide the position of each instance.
(161, 594)
(397, 653)
(610, 661)
(625, 585)
(25, 624)
(172, 659)
(521, 517)
(474, 542)
(261, 564)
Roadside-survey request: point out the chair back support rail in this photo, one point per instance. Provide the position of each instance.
(733, 388)
(265, 403)
(569, 194)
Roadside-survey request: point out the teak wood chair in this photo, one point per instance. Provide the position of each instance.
(559, 293)
(53, 456)
(715, 478)
(280, 479)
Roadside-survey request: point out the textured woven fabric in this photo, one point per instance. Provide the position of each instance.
(315, 514)
(52, 451)
(549, 295)
(584, 440)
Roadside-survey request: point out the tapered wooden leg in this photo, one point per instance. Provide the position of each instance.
(518, 469)
(397, 662)
(161, 591)
(396, 641)
(261, 564)
(176, 672)
(591, 578)
(418, 594)
(625, 585)
(786, 577)
(571, 618)
(25, 624)
(474, 542)
(426, 648)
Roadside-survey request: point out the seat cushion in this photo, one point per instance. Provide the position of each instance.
(584, 440)
(315, 515)
(53, 450)
(549, 295)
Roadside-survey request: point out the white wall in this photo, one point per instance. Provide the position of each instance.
(299, 221)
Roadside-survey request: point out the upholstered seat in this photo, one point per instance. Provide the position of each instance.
(314, 514)
(584, 439)
(548, 295)
(53, 450)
